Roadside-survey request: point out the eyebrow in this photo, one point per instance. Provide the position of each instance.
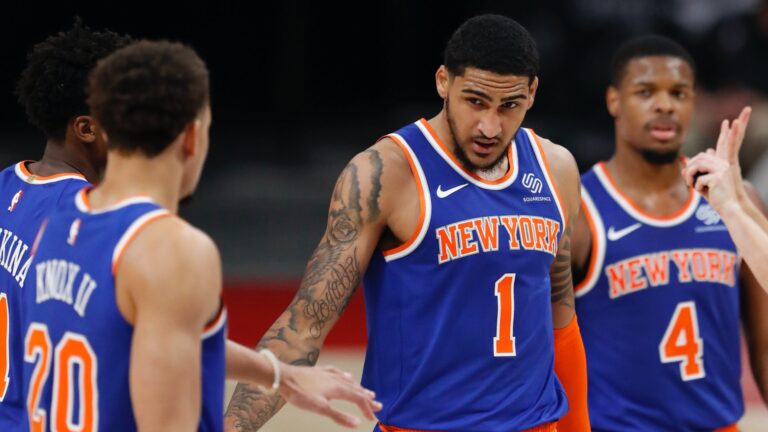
(652, 84)
(490, 99)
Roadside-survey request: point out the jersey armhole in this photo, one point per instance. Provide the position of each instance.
(597, 250)
(544, 165)
(425, 207)
(130, 234)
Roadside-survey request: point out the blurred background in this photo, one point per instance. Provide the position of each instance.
(298, 88)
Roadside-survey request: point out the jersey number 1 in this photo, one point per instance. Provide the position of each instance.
(504, 342)
(682, 342)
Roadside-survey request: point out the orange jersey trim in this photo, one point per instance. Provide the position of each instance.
(422, 200)
(637, 208)
(25, 171)
(131, 237)
(592, 263)
(558, 197)
(729, 428)
(450, 154)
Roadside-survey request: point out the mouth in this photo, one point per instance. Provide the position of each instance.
(483, 147)
(663, 130)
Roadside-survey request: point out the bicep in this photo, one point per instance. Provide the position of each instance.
(165, 373)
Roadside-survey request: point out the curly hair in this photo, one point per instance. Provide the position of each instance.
(52, 86)
(144, 95)
(492, 43)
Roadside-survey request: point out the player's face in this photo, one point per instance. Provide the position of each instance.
(196, 162)
(484, 111)
(652, 106)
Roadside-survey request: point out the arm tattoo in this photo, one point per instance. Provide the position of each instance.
(560, 274)
(330, 279)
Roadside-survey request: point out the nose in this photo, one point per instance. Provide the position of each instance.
(663, 103)
(490, 124)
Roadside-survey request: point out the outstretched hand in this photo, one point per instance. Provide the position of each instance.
(312, 389)
(716, 174)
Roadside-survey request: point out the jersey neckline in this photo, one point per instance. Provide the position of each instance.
(507, 179)
(23, 173)
(634, 210)
(83, 204)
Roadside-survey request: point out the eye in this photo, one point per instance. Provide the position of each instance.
(509, 105)
(475, 101)
(679, 94)
(644, 92)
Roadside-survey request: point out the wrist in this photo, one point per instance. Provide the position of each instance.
(276, 372)
(731, 209)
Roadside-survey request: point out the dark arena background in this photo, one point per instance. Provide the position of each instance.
(300, 88)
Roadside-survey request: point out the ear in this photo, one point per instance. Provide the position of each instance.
(533, 88)
(189, 138)
(442, 81)
(84, 128)
(612, 101)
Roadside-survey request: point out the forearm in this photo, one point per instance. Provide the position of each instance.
(750, 238)
(571, 369)
(247, 365)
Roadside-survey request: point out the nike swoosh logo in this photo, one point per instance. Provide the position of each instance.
(614, 235)
(444, 193)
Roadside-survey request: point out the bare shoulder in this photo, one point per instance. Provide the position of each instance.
(560, 159)
(565, 173)
(169, 260)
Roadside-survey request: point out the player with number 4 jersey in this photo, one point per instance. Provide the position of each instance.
(660, 283)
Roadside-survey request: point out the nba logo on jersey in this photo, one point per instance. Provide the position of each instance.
(74, 229)
(15, 200)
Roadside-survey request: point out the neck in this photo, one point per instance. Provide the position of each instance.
(60, 157)
(131, 175)
(628, 165)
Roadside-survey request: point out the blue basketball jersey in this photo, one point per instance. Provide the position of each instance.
(659, 314)
(77, 342)
(459, 317)
(26, 200)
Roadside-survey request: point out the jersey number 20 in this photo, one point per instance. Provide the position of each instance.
(73, 349)
(682, 342)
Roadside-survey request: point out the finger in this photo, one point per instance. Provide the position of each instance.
(341, 418)
(736, 137)
(703, 184)
(711, 151)
(358, 396)
(340, 373)
(722, 140)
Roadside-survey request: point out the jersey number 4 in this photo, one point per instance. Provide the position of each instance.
(5, 333)
(682, 342)
(73, 349)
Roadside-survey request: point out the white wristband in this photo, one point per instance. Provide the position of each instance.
(275, 367)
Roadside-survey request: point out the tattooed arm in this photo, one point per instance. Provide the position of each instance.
(566, 177)
(570, 359)
(360, 210)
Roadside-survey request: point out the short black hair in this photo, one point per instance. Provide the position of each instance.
(144, 95)
(646, 46)
(52, 86)
(492, 43)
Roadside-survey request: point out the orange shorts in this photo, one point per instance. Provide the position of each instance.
(547, 427)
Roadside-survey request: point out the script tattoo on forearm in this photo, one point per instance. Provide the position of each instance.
(331, 277)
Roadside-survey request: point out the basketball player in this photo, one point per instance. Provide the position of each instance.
(115, 333)
(51, 89)
(459, 226)
(661, 285)
(721, 183)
